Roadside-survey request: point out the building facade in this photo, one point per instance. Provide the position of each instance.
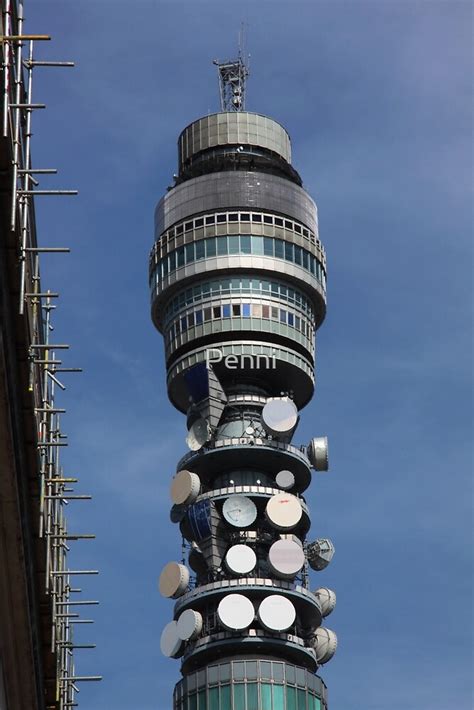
(238, 291)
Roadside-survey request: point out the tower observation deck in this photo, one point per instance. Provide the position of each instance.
(238, 290)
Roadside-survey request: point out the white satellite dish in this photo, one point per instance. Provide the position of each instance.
(285, 480)
(283, 511)
(327, 600)
(318, 455)
(286, 558)
(185, 487)
(276, 613)
(325, 644)
(198, 434)
(279, 416)
(174, 580)
(320, 553)
(240, 559)
(235, 612)
(239, 511)
(170, 643)
(189, 625)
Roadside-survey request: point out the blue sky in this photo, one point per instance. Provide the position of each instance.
(377, 98)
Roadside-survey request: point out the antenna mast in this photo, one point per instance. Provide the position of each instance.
(232, 79)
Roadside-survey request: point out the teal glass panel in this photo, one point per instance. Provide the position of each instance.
(291, 698)
(301, 695)
(233, 245)
(279, 246)
(268, 246)
(278, 697)
(245, 245)
(266, 691)
(189, 251)
(257, 245)
(200, 249)
(202, 703)
(225, 697)
(221, 245)
(239, 696)
(252, 696)
(214, 699)
(192, 702)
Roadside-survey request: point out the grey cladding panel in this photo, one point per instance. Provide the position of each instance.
(227, 190)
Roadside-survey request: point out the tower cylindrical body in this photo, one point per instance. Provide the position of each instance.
(238, 290)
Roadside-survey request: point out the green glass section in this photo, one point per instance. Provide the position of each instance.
(252, 696)
(202, 702)
(239, 696)
(225, 697)
(313, 702)
(266, 691)
(192, 702)
(244, 244)
(214, 699)
(278, 697)
(301, 694)
(291, 698)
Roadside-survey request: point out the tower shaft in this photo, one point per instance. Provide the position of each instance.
(238, 283)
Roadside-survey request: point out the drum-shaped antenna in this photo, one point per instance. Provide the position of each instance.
(276, 613)
(174, 580)
(235, 612)
(279, 416)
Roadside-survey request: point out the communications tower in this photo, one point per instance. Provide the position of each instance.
(238, 290)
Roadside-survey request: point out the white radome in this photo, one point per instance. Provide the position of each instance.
(327, 600)
(325, 644)
(284, 511)
(174, 580)
(189, 625)
(286, 558)
(185, 487)
(235, 612)
(276, 613)
(170, 643)
(240, 559)
(279, 416)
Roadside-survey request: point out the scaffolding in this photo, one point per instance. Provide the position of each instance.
(36, 307)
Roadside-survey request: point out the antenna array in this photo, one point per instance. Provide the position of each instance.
(36, 306)
(232, 80)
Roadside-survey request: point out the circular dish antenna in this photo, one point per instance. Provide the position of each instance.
(170, 643)
(235, 612)
(286, 558)
(283, 511)
(198, 434)
(279, 416)
(325, 644)
(240, 559)
(285, 480)
(317, 451)
(177, 513)
(276, 613)
(239, 511)
(185, 488)
(320, 553)
(327, 600)
(189, 625)
(174, 580)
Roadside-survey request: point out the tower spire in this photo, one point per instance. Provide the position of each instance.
(233, 75)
